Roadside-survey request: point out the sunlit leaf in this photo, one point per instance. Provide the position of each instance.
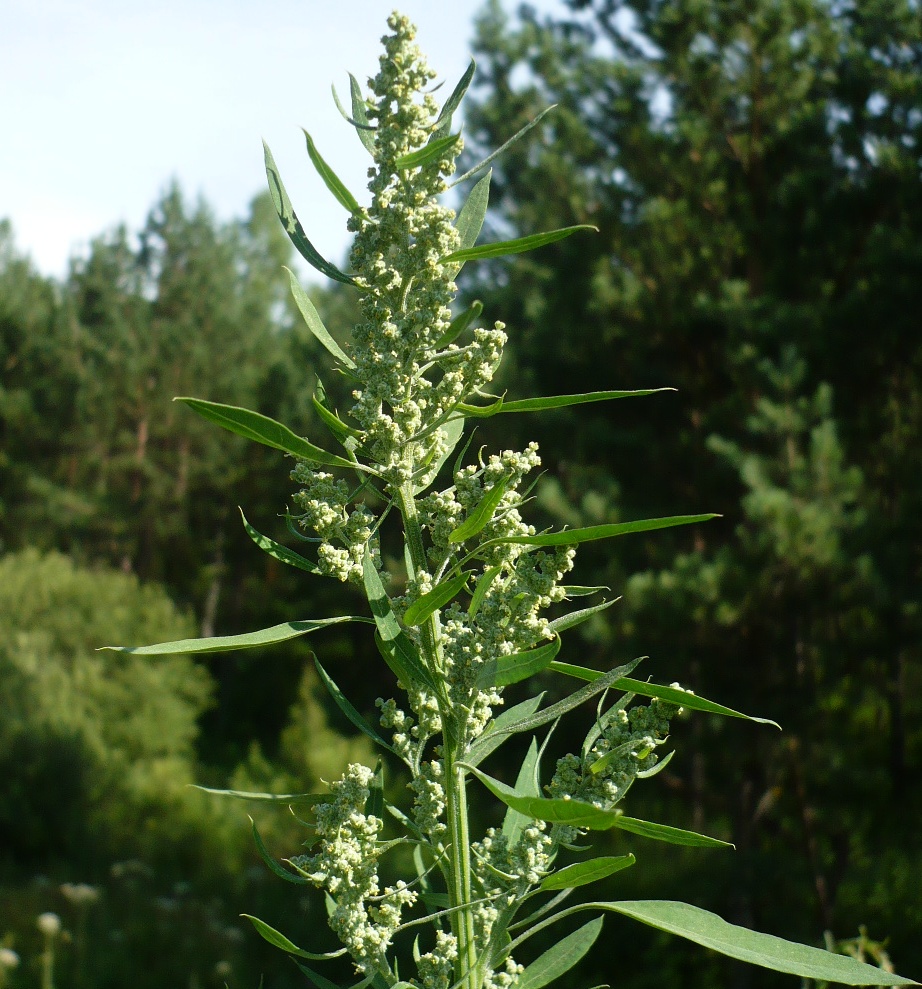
(673, 836)
(268, 798)
(433, 151)
(443, 123)
(343, 703)
(583, 873)
(315, 323)
(330, 179)
(495, 734)
(504, 670)
(482, 513)
(563, 401)
(459, 324)
(578, 617)
(573, 537)
(526, 785)
(561, 957)
(277, 551)
(432, 601)
(495, 154)
(517, 246)
(280, 941)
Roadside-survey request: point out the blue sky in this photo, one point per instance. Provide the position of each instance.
(105, 101)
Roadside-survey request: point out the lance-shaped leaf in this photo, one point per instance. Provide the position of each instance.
(443, 123)
(561, 958)
(396, 646)
(573, 537)
(711, 931)
(494, 734)
(364, 128)
(228, 643)
(693, 702)
(293, 227)
(471, 217)
(343, 703)
(583, 873)
(330, 179)
(563, 401)
(319, 981)
(268, 798)
(276, 550)
(482, 513)
(578, 617)
(577, 591)
(480, 411)
(673, 836)
(494, 155)
(504, 670)
(453, 430)
(437, 598)
(315, 323)
(480, 591)
(280, 871)
(280, 941)
(459, 324)
(346, 435)
(433, 151)
(261, 429)
(517, 246)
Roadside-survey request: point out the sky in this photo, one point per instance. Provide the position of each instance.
(104, 102)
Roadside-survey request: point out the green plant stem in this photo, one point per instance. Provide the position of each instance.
(454, 776)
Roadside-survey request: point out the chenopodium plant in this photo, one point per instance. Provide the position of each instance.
(471, 614)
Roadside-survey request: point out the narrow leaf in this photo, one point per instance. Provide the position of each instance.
(278, 552)
(573, 537)
(576, 591)
(364, 129)
(434, 600)
(344, 434)
(227, 643)
(578, 617)
(526, 785)
(459, 324)
(315, 323)
(443, 123)
(282, 873)
(280, 941)
(268, 798)
(583, 873)
(342, 195)
(480, 591)
(562, 401)
(515, 137)
(433, 151)
(559, 959)
(481, 515)
(674, 836)
(519, 666)
(397, 648)
(691, 702)
(262, 429)
(494, 734)
(471, 217)
(707, 929)
(319, 981)
(453, 430)
(517, 246)
(481, 411)
(293, 226)
(343, 703)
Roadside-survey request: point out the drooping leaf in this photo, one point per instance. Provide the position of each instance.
(517, 246)
(480, 411)
(482, 513)
(343, 703)
(459, 324)
(319, 981)
(708, 929)
(578, 617)
(278, 552)
(526, 785)
(518, 666)
(282, 873)
(690, 701)
(397, 648)
(574, 537)
(645, 774)
(432, 601)
(494, 734)
(330, 179)
(563, 401)
(228, 643)
(494, 155)
(443, 123)
(583, 873)
(293, 227)
(559, 959)
(673, 836)
(315, 323)
(433, 151)
(345, 435)
(280, 941)
(262, 429)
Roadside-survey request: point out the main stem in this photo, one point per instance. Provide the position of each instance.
(454, 776)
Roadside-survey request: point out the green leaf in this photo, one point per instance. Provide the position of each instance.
(480, 591)
(343, 703)
(578, 617)
(583, 873)
(453, 430)
(315, 323)
(433, 151)
(396, 646)
(707, 929)
(293, 226)
(437, 598)
(319, 981)
(494, 734)
(561, 957)
(674, 836)
(526, 785)
(330, 179)
(345, 435)
(517, 246)
(280, 941)
(365, 130)
(480, 411)
(576, 591)
(573, 537)
(519, 666)
(494, 155)
(562, 401)
(278, 552)
(471, 217)
(691, 702)
(268, 798)
(481, 515)
(290, 877)
(262, 429)
(227, 643)
(459, 324)
(443, 123)
(374, 803)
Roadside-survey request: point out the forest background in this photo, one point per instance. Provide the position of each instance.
(754, 169)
